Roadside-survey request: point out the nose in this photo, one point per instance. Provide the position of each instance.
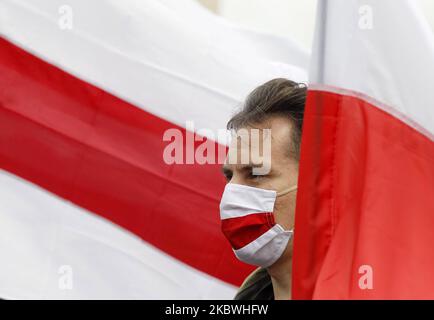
(236, 179)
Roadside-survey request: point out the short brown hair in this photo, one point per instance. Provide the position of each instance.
(275, 97)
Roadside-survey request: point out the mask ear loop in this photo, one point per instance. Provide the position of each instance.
(282, 193)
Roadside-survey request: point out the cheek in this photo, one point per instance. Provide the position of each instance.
(284, 212)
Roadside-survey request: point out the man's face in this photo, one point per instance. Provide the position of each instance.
(269, 152)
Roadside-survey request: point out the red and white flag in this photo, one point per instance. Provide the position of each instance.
(365, 208)
(88, 206)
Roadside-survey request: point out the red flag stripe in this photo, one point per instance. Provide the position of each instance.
(106, 155)
(366, 194)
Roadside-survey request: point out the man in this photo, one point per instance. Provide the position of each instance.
(258, 208)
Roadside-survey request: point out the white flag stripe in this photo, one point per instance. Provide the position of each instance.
(409, 73)
(146, 54)
(43, 236)
(229, 35)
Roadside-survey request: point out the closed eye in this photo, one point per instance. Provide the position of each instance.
(256, 177)
(251, 174)
(227, 173)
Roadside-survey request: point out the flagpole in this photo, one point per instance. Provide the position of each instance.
(320, 41)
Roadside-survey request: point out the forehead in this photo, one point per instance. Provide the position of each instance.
(272, 136)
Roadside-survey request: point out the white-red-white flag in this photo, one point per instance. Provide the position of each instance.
(365, 207)
(88, 206)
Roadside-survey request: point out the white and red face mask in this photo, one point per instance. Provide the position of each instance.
(247, 221)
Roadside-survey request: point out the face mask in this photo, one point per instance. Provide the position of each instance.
(247, 221)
